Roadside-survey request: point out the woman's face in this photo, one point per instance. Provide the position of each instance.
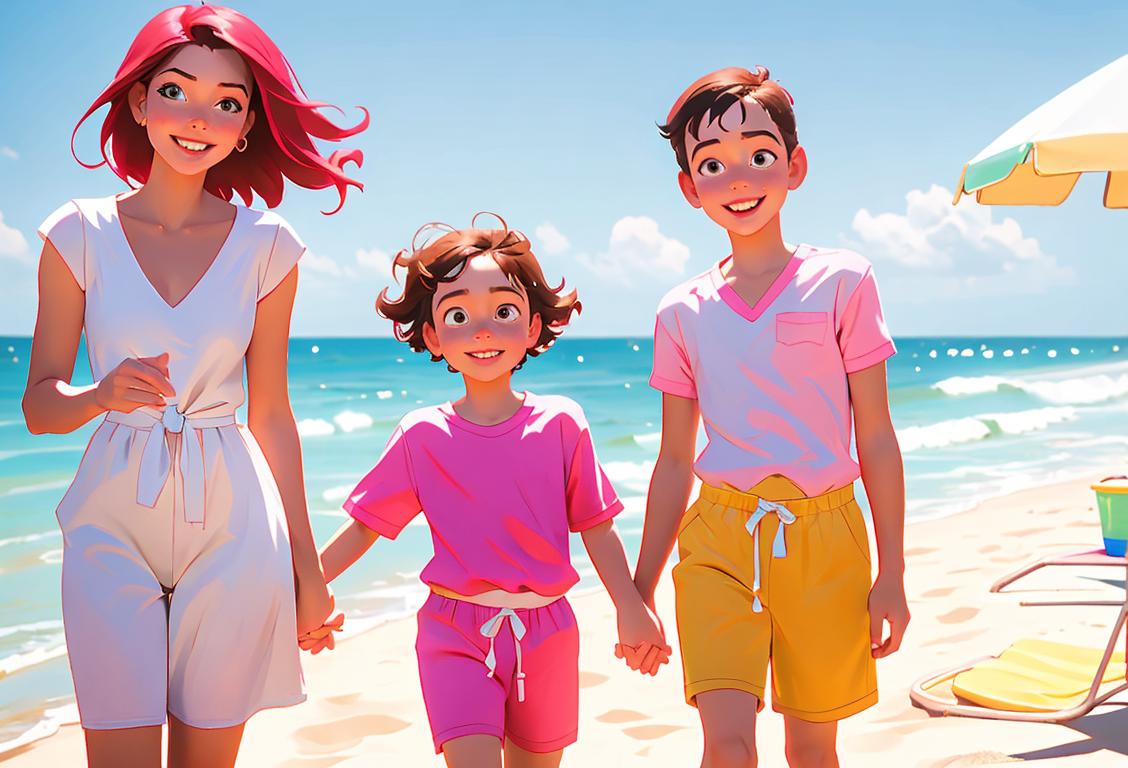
(196, 107)
(482, 324)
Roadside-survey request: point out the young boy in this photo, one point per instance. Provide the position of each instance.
(771, 348)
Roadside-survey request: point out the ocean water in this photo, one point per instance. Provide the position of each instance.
(976, 418)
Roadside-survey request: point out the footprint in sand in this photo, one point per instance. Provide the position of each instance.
(958, 615)
(652, 731)
(317, 762)
(919, 551)
(621, 716)
(337, 735)
(345, 698)
(957, 638)
(1012, 559)
(1026, 532)
(592, 679)
(942, 592)
(988, 549)
(643, 752)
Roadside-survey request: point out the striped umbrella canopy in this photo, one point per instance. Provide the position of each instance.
(1084, 129)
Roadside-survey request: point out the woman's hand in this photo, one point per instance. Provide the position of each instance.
(135, 382)
(322, 637)
(314, 603)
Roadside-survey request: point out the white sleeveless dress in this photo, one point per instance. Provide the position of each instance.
(178, 586)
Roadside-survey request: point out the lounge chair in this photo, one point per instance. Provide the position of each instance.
(1034, 680)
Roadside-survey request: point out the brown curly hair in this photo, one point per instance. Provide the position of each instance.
(441, 260)
(710, 96)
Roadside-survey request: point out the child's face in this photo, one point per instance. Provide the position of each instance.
(196, 107)
(739, 170)
(482, 324)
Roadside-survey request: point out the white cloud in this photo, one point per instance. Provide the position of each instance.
(959, 248)
(552, 241)
(637, 247)
(12, 242)
(375, 260)
(322, 265)
(9, 153)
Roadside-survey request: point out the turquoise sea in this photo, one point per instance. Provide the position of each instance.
(976, 418)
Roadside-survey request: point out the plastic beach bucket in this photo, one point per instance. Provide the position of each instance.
(1112, 503)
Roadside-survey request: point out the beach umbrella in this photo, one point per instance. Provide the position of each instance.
(1084, 129)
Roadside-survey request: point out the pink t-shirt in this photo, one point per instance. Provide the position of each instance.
(500, 499)
(770, 379)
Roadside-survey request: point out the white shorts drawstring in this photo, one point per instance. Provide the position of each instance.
(779, 546)
(490, 629)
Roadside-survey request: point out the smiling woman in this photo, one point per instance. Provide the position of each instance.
(211, 75)
(189, 567)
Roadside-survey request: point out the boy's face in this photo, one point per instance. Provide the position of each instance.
(739, 170)
(482, 324)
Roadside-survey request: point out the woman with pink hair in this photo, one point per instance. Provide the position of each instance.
(189, 567)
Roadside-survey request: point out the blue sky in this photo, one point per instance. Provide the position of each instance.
(545, 113)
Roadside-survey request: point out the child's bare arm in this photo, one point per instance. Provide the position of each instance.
(883, 475)
(350, 541)
(637, 625)
(668, 496)
(605, 549)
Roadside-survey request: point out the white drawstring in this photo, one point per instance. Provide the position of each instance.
(779, 546)
(490, 630)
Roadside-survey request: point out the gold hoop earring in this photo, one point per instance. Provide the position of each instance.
(241, 145)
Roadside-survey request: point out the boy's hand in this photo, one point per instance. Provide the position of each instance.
(887, 603)
(642, 641)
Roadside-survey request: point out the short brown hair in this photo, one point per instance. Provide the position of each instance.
(711, 95)
(443, 259)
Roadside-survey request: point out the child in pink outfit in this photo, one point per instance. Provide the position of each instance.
(502, 478)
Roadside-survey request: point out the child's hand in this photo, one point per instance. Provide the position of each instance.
(321, 638)
(887, 603)
(642, 641)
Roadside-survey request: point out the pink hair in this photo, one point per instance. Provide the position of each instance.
(280, 142)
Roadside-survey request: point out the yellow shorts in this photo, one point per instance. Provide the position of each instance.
(809, 615)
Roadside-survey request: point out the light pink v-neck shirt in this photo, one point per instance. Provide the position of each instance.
(770, 379)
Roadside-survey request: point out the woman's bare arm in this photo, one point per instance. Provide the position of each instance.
(271, 420)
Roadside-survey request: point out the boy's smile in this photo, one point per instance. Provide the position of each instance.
(739, 170)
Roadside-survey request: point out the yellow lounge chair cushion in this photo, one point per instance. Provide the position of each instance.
(1037, 676)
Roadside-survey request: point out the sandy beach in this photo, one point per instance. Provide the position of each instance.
(365, 708)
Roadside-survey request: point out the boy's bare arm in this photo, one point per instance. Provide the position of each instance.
(883, 475)
(882, 470)
(670, 486)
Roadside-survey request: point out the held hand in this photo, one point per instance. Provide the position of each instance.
(321, 638)
(314, 603)
(135, 382)
(887, 603)
(642, 641)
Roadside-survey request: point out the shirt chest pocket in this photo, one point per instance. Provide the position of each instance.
(794, 328)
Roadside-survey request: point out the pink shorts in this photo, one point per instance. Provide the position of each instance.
(463, 698)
